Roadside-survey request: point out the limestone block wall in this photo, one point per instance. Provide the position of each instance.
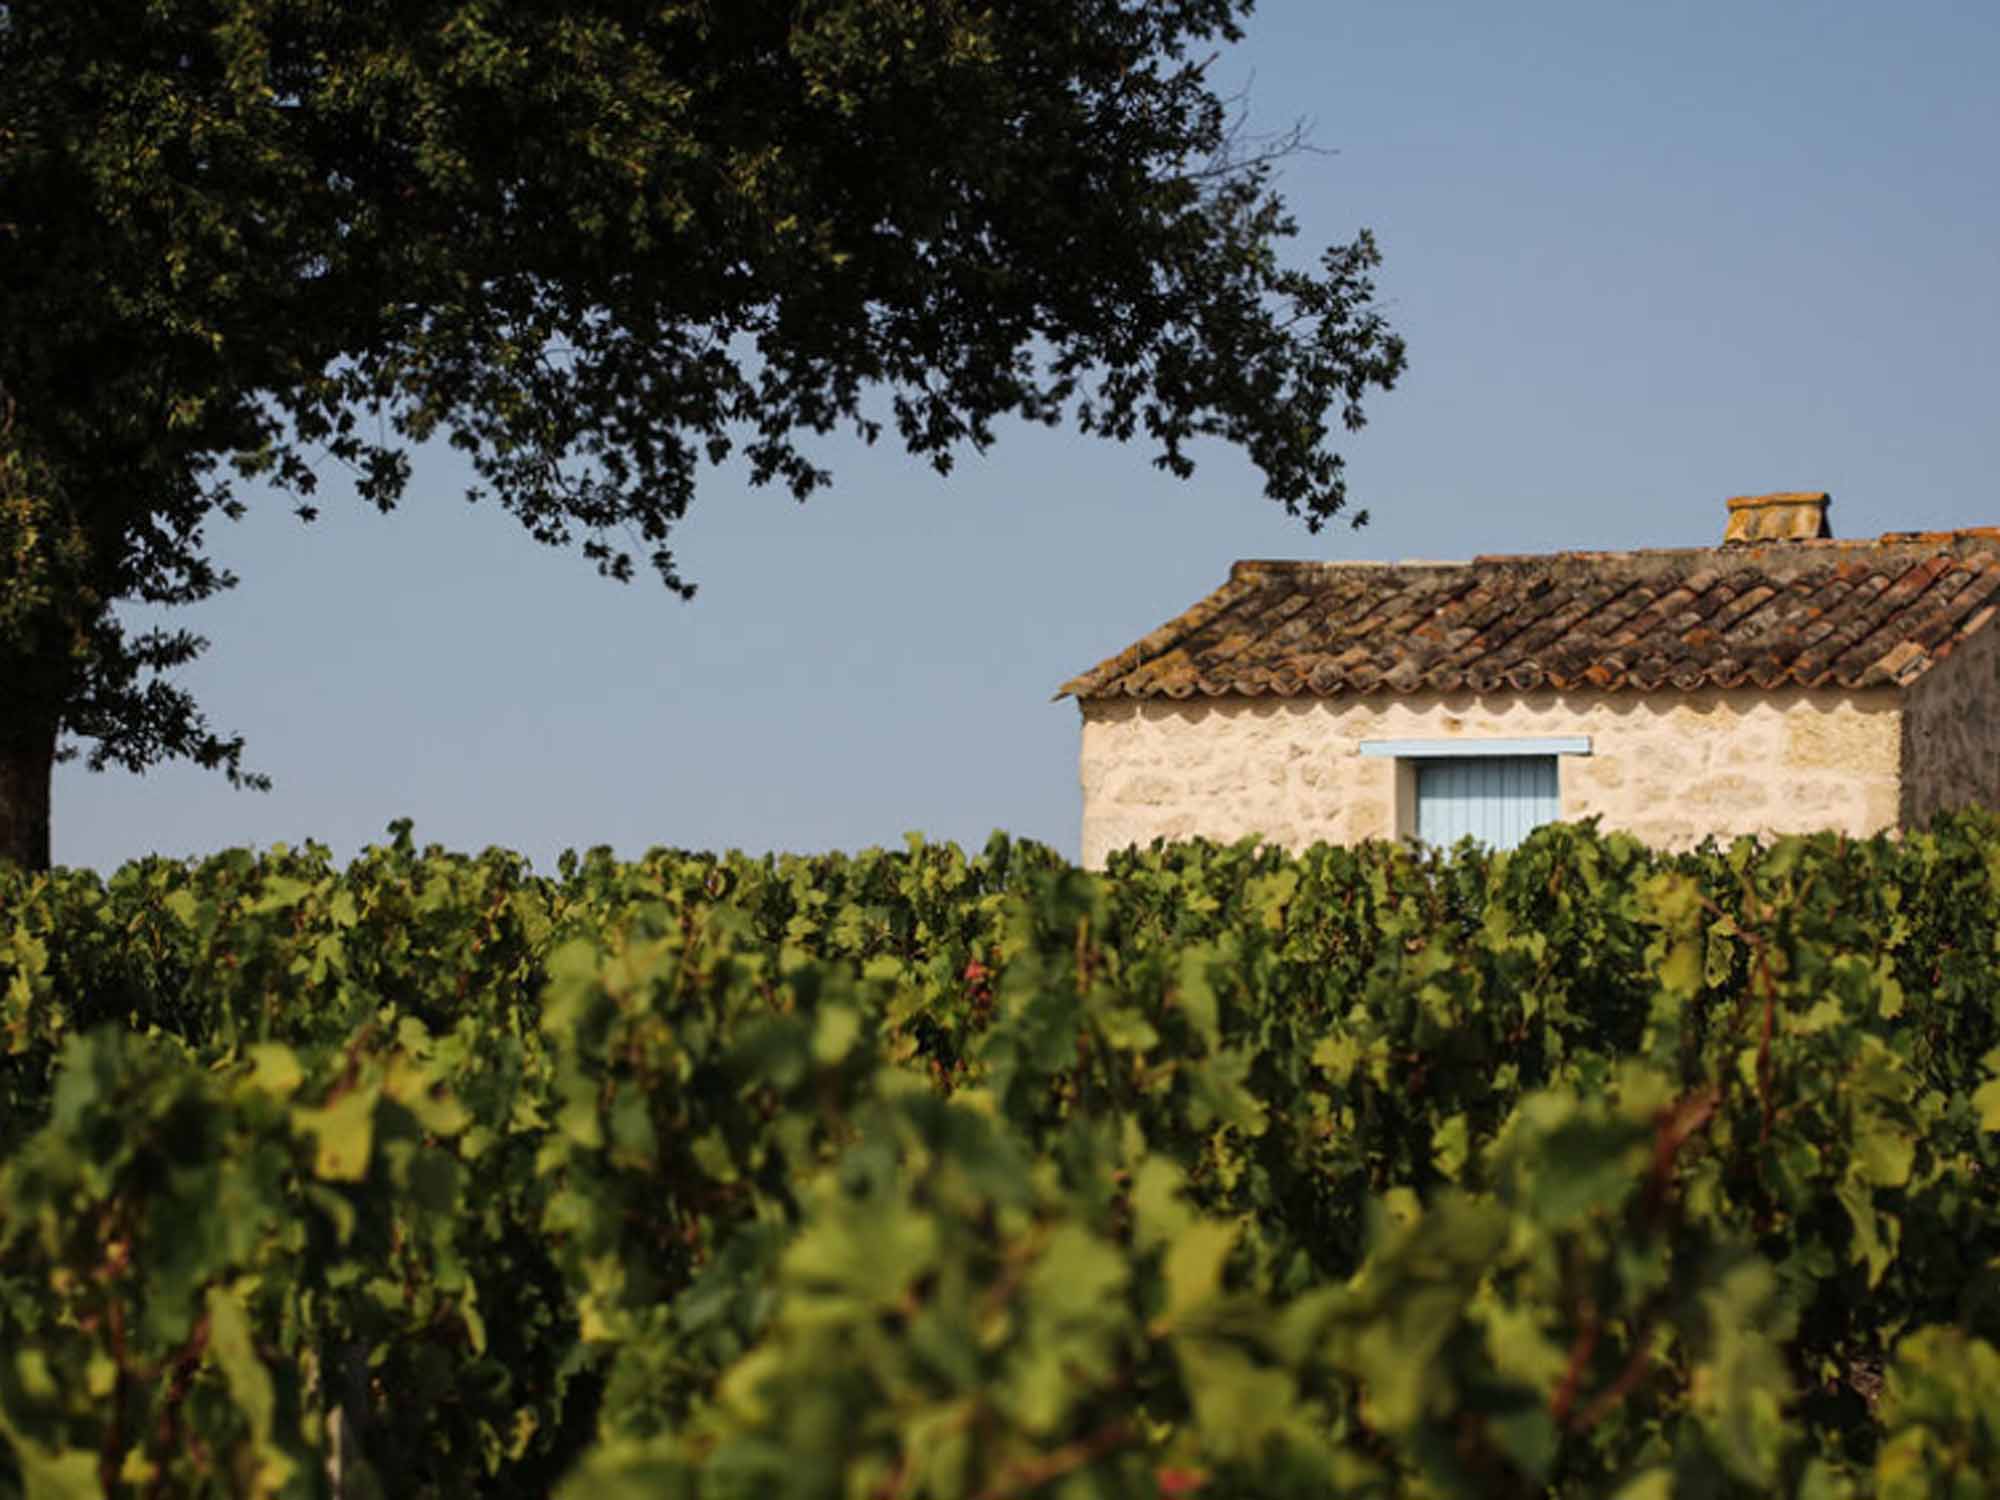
(1671, 768)
(1951, 732)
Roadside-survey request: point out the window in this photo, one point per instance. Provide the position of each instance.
(1496, 799)
(1495, 791)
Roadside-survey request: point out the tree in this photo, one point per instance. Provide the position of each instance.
(596, 245)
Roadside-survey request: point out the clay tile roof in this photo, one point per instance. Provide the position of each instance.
(1805, 613)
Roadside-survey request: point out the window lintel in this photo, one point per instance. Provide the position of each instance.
(1550, 744)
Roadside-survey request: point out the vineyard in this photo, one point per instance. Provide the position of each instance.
(1579, 1171)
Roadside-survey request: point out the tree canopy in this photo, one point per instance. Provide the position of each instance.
(597, 245)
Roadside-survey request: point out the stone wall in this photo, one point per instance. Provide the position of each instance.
(1951, 732)
(1670, 768)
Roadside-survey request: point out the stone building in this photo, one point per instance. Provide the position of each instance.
(1782, 681)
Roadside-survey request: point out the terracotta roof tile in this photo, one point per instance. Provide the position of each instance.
(1809, 613)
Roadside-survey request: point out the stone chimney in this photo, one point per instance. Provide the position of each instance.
(1788, 516)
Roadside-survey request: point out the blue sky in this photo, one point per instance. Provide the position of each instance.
(1646, 257)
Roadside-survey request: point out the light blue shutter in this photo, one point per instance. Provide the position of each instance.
(1496, 799)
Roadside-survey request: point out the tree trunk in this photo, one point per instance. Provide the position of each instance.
(26, 763)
